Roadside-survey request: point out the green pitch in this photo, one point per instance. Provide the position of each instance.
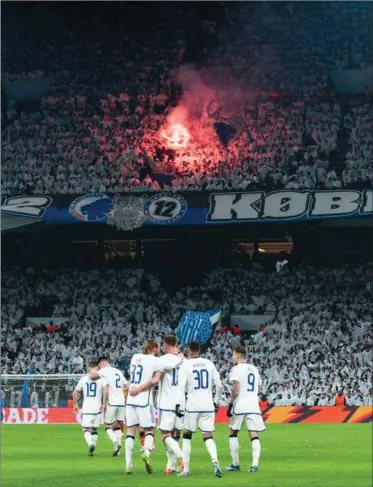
(292, 455)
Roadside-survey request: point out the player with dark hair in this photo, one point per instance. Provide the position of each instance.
(244, 406)
(197, 378)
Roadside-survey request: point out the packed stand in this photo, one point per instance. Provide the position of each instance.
(317, 341)
(96, 130)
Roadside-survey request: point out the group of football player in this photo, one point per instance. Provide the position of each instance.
(187, 391)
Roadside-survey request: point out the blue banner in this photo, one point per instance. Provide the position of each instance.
(199, 208)
(197, 326)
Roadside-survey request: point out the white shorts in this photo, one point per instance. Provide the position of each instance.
(140, 416)
(114, 413)
(254, 422)
(204, 421)
(168, 421)
(90, 420)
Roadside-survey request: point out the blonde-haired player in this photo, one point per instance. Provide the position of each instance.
(244, 406)
(94, 401)
(140, 408)
(166, 378)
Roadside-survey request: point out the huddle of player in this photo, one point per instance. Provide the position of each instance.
(188, 396)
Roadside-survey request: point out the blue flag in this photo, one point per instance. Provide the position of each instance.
(24, 397)
(225, 132)
(197, 326)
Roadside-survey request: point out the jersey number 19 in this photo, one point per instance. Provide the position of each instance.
(91, 389)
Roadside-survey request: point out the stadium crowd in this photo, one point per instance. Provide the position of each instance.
(318, 339)
(96, 129)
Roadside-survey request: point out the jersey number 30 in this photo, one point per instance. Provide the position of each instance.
(202, 379)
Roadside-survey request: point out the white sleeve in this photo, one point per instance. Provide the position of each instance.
(79, 385)
(164, 365)
(218, 385)
(182, 382)
(233, 375)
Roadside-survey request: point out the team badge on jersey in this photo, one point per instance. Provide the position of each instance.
(197, 326)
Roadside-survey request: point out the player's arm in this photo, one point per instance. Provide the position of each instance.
(105, 397)
(134, 391)
(216, 380)
(235, 390)
(234, 380)
(125, 392)
(180, 393)
(75, 399)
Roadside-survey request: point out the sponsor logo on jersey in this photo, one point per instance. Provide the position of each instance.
(91, 208)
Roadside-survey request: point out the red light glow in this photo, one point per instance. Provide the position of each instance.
(176, 135)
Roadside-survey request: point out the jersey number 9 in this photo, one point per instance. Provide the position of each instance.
(251, 382)
(202, 379)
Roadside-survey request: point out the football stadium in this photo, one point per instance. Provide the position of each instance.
(186, 230)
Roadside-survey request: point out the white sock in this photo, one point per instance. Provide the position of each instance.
(88, 437)
(118, 435)
(234, 448)
(187, 450)
(111, 435)
(170, 458)
(94, 438)
(173, 447)
(255, 448)
(129, 449)
(211, 448)
(148, 443)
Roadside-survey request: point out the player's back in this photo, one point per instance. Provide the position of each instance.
(115, 380)
(248, 377)
(92, 394)
(169, 364)
(142, 369)
(199, 376)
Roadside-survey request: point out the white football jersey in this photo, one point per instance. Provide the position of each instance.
(142, 370)
(115, 380)
(92, 394)
(169, 364)
(249, 380)
(197, 376)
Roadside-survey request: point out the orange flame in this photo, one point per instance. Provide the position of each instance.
(176, 135)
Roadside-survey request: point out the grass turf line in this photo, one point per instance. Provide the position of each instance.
(325, 455)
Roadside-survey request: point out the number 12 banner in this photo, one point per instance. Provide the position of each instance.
(198, 208)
